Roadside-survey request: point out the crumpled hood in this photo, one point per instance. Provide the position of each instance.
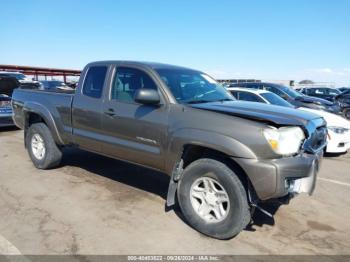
(260, 112)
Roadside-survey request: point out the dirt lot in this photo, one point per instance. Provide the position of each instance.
(97, 205)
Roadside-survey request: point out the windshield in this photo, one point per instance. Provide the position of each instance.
(188, 86)
(291, 92)
(275, 99)
(334, 92)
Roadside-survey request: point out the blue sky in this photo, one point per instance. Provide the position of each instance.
(269, 39)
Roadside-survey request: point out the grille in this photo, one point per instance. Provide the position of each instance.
(317, 140)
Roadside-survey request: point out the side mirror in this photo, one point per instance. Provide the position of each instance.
(147, 96)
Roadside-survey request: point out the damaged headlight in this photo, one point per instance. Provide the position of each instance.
(285, 140)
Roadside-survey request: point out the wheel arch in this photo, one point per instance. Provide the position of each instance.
(192, 152)
(35, 113)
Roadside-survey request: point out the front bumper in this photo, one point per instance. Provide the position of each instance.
(279, 177)
(338, 143)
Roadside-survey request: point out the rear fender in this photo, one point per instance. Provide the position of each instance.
(45, 114)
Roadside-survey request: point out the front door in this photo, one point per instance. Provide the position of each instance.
(133, 132)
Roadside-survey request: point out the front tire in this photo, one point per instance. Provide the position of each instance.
(213, 199)
(41, 147)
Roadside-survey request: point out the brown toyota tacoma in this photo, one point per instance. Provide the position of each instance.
(224, 157)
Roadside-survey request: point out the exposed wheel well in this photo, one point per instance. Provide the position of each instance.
(33, 118)
(192, 153)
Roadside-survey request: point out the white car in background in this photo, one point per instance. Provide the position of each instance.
(338, 127)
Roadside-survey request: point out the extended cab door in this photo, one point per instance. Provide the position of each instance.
(134, 132)
(87, 109)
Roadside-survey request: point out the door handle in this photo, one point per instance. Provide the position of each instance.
(110, 112)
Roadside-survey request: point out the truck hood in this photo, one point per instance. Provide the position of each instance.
(314, 100)
(276, 115)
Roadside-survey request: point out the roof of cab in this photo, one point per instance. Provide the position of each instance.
(152, 65)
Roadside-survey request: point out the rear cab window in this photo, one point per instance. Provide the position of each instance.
(94, 81)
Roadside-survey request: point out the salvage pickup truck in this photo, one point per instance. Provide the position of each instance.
(224, 157)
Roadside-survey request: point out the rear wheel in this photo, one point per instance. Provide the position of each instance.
(213, 199)
(41, 147)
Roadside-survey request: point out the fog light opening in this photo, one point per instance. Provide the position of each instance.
(293, 185)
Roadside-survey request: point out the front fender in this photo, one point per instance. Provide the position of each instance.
(216, 141)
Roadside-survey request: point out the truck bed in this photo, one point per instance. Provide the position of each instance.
(51, 104)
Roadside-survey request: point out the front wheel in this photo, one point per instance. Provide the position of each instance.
(41, 147)
(213, 199)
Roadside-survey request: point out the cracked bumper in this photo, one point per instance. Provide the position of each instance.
(279, 177)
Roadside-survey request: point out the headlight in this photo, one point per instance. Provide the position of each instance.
(285, 140)
(337, 129)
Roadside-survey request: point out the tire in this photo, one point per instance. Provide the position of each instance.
(51, 155)
(347, 114)
(237, 208)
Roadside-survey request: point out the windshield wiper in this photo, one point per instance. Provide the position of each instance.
(208, 101)
(224, 99)
(198, 101)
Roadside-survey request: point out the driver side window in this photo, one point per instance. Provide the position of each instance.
(127, 81)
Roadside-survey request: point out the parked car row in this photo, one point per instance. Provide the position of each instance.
(320, 92)
(52, 85)
(294, 97)
(9, 81)
(340, 96)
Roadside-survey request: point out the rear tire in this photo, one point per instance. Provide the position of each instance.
(235, 211)
(41, 147)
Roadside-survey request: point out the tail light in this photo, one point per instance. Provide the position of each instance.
(5, 103)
